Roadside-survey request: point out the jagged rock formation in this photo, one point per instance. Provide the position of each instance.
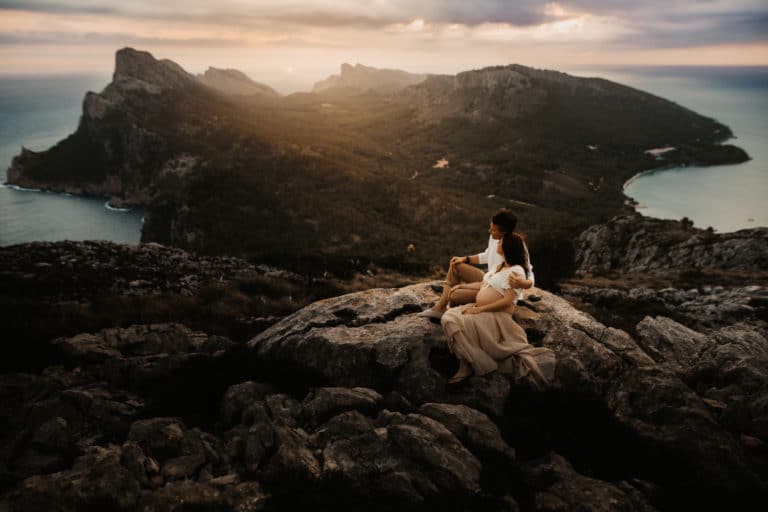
(232, 81)
(126, 151)
(53, 289)
(634, 243)
(365, 78)
(490, 93)
(697, 304)
(346, 401)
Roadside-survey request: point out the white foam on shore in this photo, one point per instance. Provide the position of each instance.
(112, 208)
(659, 151)
(19, 189)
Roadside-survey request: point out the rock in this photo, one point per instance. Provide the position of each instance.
(343, 426)
(139, 65)
(238, 398)
(347, 341)
(51, 418)
(97, 480)
(183, 495)
(136, 340)
(653, 403)
(670, 344)
(364, 78)
(370, 339)
(475, 431)
(258, 443)
(293, 463)
(283, 409)
(161, 438)
(322, 403)
(132, 458)
(642, 244)
(232, 81)
(557, 487)
(351, 332)
(407, 460)
(183, 467)
(700, 312)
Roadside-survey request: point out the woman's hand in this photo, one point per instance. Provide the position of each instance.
(472, 310)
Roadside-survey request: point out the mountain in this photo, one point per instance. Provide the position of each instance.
(232, 81)
(364, 78)
(343, 178)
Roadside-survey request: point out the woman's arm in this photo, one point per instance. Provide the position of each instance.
(518, 281)
(499, 305)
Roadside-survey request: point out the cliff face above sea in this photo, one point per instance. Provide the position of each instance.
(223, 165)
(343, 403)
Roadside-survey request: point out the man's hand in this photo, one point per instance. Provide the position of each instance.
(473, 310)
(456, 260)
(517, 281)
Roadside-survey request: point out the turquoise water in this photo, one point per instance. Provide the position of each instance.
(36, 113)
(728, 197)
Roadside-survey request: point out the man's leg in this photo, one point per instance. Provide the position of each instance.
(459, 273)
(459, 296)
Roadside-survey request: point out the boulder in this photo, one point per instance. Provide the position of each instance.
(557, 487)
(371, 339)
(633, 243)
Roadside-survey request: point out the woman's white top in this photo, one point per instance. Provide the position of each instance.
(499, 279)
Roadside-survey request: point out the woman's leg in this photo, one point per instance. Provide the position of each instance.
(464, 371)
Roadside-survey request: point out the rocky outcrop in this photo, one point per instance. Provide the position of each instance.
(655, 279)
(51, 290)
(346, 400)
(232, 81)
(361, 340)
(364, 78)
(642, 244)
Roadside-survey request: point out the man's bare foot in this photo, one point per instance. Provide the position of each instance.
(464, 371)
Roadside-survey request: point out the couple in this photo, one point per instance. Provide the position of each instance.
(482, 332)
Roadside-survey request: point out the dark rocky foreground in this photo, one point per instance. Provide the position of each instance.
(344, 405)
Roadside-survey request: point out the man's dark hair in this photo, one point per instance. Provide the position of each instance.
(505, 219)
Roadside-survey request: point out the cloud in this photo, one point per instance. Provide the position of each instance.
(345, 28)
(112, 39)
(56, 7)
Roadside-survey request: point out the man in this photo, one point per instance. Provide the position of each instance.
(463, 279)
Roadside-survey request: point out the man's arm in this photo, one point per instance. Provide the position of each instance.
(473, 260)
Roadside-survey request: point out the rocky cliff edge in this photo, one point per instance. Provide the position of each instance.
(345, 403)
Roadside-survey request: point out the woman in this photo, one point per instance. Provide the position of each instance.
(485, 337)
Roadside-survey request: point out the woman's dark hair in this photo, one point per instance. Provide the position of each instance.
(505, 219)
(513, 246)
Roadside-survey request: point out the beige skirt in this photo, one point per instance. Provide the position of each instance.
(494, 341)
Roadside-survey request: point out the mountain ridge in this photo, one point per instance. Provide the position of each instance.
(356, 172)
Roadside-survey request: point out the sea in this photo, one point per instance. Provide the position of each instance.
(38, 111)
(726, 197)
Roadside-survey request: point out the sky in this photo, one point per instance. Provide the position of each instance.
(290, 44)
